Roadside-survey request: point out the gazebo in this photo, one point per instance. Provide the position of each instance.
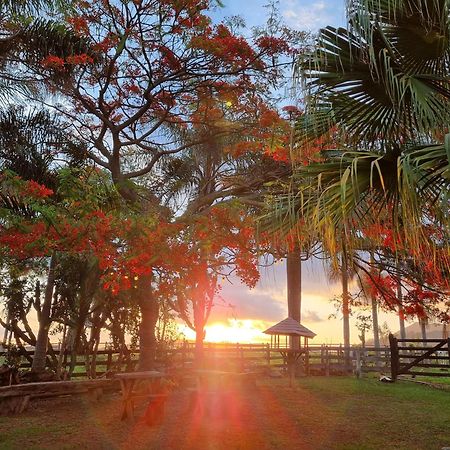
(288, 328)
(291, 349)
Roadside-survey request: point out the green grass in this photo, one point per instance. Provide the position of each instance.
(375, 415)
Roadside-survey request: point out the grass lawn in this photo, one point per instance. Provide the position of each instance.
(319, 414)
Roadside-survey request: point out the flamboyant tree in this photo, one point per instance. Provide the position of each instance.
(147, 76)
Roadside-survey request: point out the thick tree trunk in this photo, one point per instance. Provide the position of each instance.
(199, 324)
(199, 344)
(40, 351)
(294, 289)
(149, 308)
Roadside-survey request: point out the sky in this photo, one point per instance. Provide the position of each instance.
(242, 313)
(305, 15)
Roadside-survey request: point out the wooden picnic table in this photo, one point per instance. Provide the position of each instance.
(128, 382)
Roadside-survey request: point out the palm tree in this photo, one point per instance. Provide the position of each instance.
(384, 84)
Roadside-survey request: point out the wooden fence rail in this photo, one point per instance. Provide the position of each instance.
(321, 359)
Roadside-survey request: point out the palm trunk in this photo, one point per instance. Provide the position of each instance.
(423, 328)
(40, 351)
(376, 328)
(401, 314)
(345, 308)
(294, 289)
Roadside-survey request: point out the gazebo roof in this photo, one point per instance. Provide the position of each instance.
(290, 327)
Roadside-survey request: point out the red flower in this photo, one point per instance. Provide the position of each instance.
(37, 190)
(82, 59)
(53, 62)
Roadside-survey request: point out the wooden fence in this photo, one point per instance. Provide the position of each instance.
(321, 359)
(430, 357)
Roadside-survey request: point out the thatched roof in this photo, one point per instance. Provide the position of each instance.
(290, 327)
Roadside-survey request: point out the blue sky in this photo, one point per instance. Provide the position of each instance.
(307, 15)
(252, 311)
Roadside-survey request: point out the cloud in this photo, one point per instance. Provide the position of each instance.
(312, 317)
(239, 302)
(312, 15)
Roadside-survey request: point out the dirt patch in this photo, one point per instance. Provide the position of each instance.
(253, 419)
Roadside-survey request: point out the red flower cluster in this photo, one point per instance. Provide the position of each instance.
(53, 62)
(57, 63)
(82, 59)
(36, 190)
(273, 45)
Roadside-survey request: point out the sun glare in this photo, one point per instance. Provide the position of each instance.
(233, 330)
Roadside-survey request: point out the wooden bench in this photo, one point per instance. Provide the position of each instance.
(15, 399)
(152, 392)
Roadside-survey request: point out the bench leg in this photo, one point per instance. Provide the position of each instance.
(127, 409)
(95, 394)
(23, 404)
(154, 414)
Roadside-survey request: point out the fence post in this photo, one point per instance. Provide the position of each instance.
(327, 362)
(322, 362)
(358, 370)
(109, 360)
(448, 349)
(394, 356)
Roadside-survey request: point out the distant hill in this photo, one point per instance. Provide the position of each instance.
(413, 331)
(434, 331)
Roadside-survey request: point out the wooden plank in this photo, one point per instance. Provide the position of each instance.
(412, 349)
(431, 357)
(429, 374)
(53, 386)
(439, 366)
(408, 366)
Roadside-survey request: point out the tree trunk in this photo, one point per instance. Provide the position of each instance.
(294, 289)
(40, 351)
(149, 308)
(423, 328)
(199, 324)
(199, 344)
(401, 314)
(345, 307)
(376, 328)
